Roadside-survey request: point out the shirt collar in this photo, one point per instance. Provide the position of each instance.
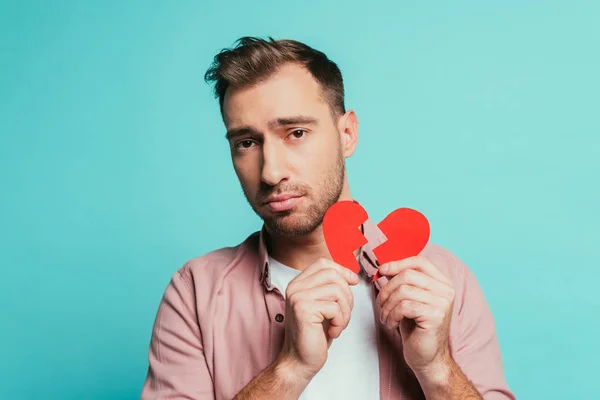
(366, 258)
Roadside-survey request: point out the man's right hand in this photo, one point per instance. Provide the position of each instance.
(318, 306)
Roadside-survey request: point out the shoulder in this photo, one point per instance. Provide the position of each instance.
(212, 267)
(450, 265)
(469, 297)
(444, 259)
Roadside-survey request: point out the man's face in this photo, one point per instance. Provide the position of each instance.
(286, 150)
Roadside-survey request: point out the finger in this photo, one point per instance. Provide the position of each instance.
(420, 263)
(330, 310)
(405, 309)
(320, 278)
(323, 263)
(414, 278)
(408, 292)
(330, 292)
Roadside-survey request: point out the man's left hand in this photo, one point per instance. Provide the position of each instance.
(418, 300)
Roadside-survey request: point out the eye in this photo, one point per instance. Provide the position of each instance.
(298, 133)
(244, 144)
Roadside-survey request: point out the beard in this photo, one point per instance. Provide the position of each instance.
(292, 223)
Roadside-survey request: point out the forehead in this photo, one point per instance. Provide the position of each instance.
(292, 90)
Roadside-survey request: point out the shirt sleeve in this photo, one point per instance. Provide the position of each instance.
(475, 346)
(177, 366)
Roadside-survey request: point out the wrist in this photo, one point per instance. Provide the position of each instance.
(443, 379)
(291, 373)
(437, 373)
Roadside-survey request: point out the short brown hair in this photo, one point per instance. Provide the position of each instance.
(253, 60)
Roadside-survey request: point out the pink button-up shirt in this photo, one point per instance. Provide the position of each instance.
(221, 322)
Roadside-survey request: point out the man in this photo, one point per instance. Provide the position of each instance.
(274, 317)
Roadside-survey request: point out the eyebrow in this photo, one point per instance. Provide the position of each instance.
(273, 124)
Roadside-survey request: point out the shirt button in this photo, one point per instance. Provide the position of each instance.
(279, 318)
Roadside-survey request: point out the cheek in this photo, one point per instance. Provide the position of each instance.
(317, 161)
(319, 152)
(247, 175)
(317, 172)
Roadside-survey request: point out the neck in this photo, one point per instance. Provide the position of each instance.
(298, 252)
(301, 251)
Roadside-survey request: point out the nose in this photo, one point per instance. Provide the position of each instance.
(274, 168)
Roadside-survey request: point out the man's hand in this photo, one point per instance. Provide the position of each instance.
(418, 300)
(318, 306)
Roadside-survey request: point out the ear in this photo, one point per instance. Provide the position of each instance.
(348, 128)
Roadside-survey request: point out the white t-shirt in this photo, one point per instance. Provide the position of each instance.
(352, 367)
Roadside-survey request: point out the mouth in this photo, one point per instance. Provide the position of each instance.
(282, 202)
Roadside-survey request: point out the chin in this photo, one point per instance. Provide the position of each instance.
(291, 224)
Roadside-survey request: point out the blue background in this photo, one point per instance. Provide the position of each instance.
(114, 170)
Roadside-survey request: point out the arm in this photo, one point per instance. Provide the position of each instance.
(276, 382)
(448, 332)
(475, 347)
(447, 382)
(177, 367)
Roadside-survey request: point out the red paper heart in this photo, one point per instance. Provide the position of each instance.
(407, 232)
